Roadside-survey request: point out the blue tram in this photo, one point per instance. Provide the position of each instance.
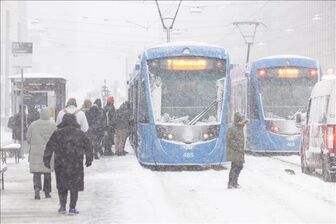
(179, 93)
(270, 93)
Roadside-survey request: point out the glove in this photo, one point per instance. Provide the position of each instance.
(87, 164)
(47, 165)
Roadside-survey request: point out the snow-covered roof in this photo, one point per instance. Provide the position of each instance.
(285, 56)
(36, 76)
(184, 43)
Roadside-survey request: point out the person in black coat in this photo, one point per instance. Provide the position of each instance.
(33, 115)
(96, 129)
(69, 145)
(14, 123)
(123, 121)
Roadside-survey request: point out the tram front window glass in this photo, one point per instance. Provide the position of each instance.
(283, 97)
(179, 96)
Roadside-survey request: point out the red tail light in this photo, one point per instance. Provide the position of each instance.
(331, 138)
(262, 72)
(313, 73)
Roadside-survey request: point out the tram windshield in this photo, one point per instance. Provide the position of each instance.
(285, 91)
(179, 93)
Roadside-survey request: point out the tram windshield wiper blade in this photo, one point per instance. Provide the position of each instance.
(203, 112)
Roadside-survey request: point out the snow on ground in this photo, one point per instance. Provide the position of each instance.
(119, 190)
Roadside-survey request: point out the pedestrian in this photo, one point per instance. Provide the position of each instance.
(96, 129)
(69, 144)
(86, 105)
(33, 115)
(38, 135)
(71, 108)
(122, 127)
(14, 123)
(109, 112)
(235, 149)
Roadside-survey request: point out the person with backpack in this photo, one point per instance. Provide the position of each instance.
(69, 144)
(71, 108)
(109, 111)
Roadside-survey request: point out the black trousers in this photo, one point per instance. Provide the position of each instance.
(46, 182)
(63, 195)
(236, 167)
(109, 141)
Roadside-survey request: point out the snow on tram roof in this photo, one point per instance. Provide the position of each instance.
(37, 76)
(285, 56)
(185, 43)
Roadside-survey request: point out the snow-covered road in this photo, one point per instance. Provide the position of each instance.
(119, 190)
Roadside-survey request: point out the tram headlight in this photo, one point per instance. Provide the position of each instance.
(206, 136)
(170, 136)
(271, 126)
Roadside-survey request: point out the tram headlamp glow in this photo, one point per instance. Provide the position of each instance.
(170, 136)
(205, 136)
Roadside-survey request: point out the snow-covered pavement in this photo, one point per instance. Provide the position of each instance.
(119, 190)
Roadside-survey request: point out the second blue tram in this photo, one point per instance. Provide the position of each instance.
(270, 93)
(178, 94)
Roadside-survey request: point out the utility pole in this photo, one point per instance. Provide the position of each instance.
(248, 36)
(7, 106)
(169, 28)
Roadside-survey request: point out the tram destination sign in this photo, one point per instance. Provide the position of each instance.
(22, 54)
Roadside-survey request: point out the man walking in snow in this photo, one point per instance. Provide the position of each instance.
(69, 145)
(109, 111)
(235, 148)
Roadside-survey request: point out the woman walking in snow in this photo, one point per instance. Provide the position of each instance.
(69, 144)
(38, 135)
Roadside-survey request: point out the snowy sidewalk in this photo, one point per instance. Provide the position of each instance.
(119, 190)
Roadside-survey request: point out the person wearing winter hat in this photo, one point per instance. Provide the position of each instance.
(71, 108)
(109, 111)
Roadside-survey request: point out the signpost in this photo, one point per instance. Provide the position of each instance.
(22, 58)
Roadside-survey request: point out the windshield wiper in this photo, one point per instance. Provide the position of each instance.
(203, 112)
(291, 117)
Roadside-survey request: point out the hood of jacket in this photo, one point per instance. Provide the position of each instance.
(45, 114)
(69, 120)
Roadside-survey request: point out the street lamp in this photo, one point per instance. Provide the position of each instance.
(248, 33)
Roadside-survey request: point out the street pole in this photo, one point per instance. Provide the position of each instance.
(248, 52)
(168, 34)
(7, 65)
(22, 117)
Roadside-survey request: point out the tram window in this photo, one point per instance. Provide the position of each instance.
(143, 105)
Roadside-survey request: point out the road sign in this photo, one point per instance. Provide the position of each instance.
(22, 54)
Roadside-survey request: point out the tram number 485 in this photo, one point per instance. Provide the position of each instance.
(188, 154)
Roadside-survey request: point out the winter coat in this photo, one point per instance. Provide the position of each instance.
(235, 139)
(14, 123)
(110, 112)
(80, 117)
(96, 121)
(69, 145)
(123, 117)
(38, 135)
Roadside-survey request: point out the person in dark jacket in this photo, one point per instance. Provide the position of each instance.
(109, 111)
(235, 148)
(14, 123)
(33, 115)
(96, 129)
(69, 144)
(122, 127)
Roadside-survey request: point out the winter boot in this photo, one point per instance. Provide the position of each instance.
(47, 195)
(62, 210)
(73, 211)
(37, 195)
(96, 156)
